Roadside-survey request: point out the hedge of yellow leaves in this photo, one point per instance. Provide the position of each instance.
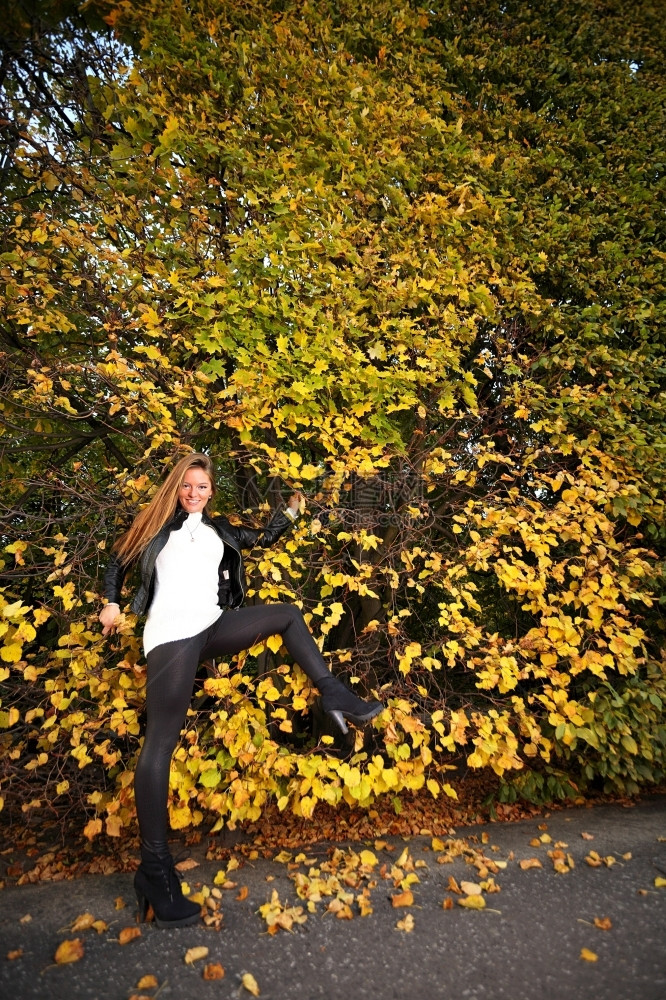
(553, 686)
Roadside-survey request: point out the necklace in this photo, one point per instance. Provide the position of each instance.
(192, 533)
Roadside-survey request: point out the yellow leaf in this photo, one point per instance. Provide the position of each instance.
(83, 922)
(274, 642)
(660, 882)
(193, 955)
(472, 902)
(10, 718)
(250, 984)
(11, 653)
(92, 828)
(405, 898)
(530, 863)
(588, 955)
(147, 983)
(406, 924)
(69, 951)
(113, 826)
(603, 923)
(471, 888)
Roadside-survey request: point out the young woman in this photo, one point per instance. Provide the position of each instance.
(192, 585)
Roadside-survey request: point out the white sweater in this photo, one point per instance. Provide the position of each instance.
(186, 585)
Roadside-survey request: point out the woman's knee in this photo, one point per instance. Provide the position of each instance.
(292, 615)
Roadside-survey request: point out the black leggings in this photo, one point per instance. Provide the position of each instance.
(172, 668)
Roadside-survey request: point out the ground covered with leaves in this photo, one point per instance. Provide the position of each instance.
(53, 852)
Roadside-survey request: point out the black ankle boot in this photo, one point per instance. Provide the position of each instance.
(158, 883)
(339, 703)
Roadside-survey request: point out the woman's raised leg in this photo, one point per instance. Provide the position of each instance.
(241, 629)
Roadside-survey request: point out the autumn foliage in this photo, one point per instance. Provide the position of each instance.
(404, 259)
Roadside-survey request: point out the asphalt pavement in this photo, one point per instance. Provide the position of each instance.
(534, 939)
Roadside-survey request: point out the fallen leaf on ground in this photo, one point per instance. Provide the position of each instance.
(407, 924)
(587, 836)
(69, 951)
(128, 934)
(26, 919)
(341, 909)
(448, 903)
(193, 955)
(250, 984)
(83, 922)
(278, 915)
(147, 982)
(187, 864)
(589, 956)
(473, 902)
(561, 862)
(405, 898)
(530, 863)
(119, 903)
(471, 888)
(242, 893)
(213, 971)
(364, 904)
(11, 955)
(660, 882)
(603, 923)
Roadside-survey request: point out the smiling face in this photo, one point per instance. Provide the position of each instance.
(195, 490)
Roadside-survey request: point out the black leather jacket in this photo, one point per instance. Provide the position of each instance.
(232, 583)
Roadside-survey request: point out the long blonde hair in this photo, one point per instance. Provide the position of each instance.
(161, 508)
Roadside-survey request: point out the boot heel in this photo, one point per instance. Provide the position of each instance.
(338, 719)
(143, 906)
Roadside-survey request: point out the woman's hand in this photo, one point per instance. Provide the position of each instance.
(108, 617)
(296, 502)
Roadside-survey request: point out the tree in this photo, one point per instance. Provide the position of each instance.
(406, 260)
